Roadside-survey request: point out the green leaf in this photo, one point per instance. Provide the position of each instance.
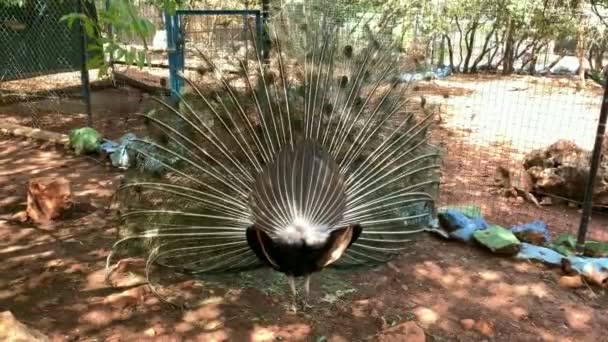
(94, 62)
(120, 53)
(89, 29)
(71, 18)
(141, 59)
(93, 47)
(103, 70)
(130, 56)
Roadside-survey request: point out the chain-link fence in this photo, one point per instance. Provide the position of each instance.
(40, 62)
(515, 123)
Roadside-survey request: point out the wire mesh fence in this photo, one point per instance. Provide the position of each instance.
(40, 62)
(517, 145)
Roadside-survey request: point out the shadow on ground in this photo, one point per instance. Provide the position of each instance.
(53, 280)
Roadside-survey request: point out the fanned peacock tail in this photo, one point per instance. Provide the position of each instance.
(318, 135)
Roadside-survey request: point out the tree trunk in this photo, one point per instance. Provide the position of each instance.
(484, 49)
(470, 45)
(534, 59)
(450, 51)
(441, 57)
(554, 63)
(599, 56)
(580, 41)
(499, 45)
(459, 43)
(507, 66)
(599, 59)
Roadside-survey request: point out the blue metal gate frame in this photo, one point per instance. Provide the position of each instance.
(175, 41)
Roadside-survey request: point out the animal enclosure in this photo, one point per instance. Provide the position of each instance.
(514, 126)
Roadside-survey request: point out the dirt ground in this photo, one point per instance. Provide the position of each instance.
(52, 277)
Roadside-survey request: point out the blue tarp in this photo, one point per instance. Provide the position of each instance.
(593, 269)
(437, 73)
(545, 255)
(535, 232)
(118, 152)
(459, 226)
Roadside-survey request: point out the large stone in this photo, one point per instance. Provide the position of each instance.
(11, 330)
(562, 170)
(48, 198)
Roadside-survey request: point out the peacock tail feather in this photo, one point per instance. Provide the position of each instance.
(320, 132)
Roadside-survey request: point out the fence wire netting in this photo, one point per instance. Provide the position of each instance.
(515, 142)
(40, 62)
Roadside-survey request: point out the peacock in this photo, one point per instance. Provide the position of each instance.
(311, 156)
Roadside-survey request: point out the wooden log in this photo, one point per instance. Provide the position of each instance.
(48, 198)
(34, 133)
(148, 85)
(10, 96)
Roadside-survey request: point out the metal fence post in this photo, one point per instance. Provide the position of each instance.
(259, 31)
(265, 36)
(84, 72)
(110, 35)
(593, 169)
(176, 56)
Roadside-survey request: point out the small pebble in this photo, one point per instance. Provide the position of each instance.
(484, 328)
(467, 324)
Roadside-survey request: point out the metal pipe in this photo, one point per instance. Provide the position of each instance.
(593, 170)
(84, 72)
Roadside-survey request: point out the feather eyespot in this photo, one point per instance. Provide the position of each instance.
(348, 51)
(343, 81)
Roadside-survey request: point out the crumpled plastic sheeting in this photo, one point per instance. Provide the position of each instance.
(594, 270)
(108, 146)
(535, 232)
(459, 226)
(545, 255)
(437, 73)
(499, 240)
(120, 157)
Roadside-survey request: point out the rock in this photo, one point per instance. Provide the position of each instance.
(131, 297)
(467, 324)
(571, 282)
(593, 270)
(11, 330)
(546, 201)
(128, 272)
(562, 169)
(48, 198)
(484, 328)
(409, 331)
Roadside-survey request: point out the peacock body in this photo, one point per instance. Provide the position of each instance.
(309, 159)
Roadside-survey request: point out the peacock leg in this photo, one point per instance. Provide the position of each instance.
(292, 285)
(305, 301)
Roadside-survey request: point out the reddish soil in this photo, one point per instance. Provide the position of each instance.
(52, 277)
